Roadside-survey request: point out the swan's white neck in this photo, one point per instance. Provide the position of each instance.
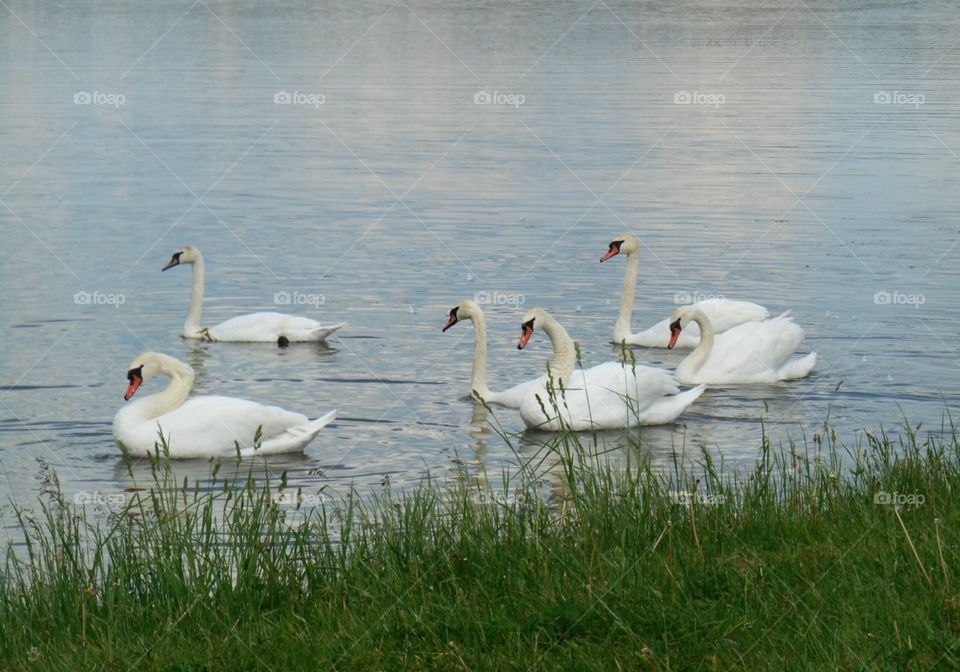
(622, 328)
(172, 397)
(564, 351)
(478, 376)
(192, 326)
(696, 359)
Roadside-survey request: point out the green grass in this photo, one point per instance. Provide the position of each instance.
(790, 566)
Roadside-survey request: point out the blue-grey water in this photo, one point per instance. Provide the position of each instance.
(803, 155)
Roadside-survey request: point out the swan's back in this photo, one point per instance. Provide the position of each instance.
(607, 396)
(723, 314)
(754, 349)
(269, 327)
(726, 314)
(205, 426)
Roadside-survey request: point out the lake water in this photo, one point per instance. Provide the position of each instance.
(800, 155)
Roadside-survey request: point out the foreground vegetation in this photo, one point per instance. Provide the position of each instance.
(822, 557)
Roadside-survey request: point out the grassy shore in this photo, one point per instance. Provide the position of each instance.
(800, 564)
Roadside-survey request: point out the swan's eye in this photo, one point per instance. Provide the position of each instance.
(135, 373)
(453, 311)
(528, 325)
(615, 245)
(675, 325)
(176, 255)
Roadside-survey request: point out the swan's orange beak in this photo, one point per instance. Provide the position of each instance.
(525, 337)
(454, 318)
(674, 334)
(135, 382)
(175, 261)
(612, 252)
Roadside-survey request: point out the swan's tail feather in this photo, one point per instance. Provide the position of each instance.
(666, 410)
(324, 330)
(798, 368)
(293, 439)
(314, 426)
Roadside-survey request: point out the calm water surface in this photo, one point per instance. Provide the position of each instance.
(815, 166)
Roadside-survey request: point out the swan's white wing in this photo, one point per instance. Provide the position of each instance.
(752, 351)
(723, 314)
(514, 396)
(607, 396)
(210, 425)
(658, 336)
(269, 327)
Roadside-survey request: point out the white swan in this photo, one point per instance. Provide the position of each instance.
(754, 352)
(723, 313)
(511, 398)
(607, 396)
(253, 328)
(204, 426)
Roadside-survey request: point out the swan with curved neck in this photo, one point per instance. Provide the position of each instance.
(262, 327)
(723, 313)
(469, 310)
(753, 352)
(608, 396)
(203, 426)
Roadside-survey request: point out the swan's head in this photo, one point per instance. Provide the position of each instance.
(144, 367)
(184, 255)
(679, 319)
(530, 318)
(465, 310)
(627, 244)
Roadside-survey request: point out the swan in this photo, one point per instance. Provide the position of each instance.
(511, 398)
(608, 396)
(204, 426)
(253, 328)
(723, 313)
(753, 352)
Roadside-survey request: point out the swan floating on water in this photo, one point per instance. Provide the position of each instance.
(723, 313)
(263, 327)
(204, 426)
